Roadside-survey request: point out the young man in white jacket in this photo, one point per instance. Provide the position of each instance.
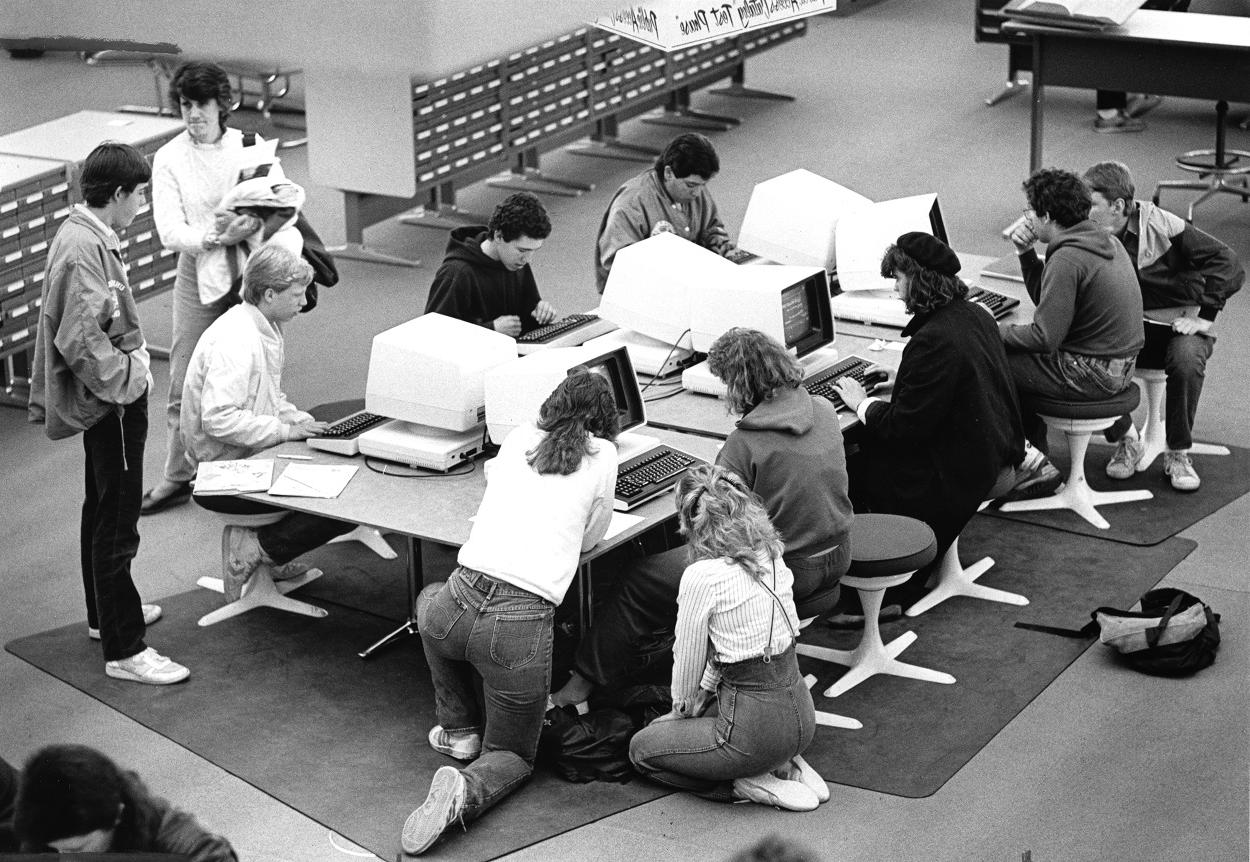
(233, 407)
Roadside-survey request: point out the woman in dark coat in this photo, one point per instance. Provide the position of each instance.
(953, 424)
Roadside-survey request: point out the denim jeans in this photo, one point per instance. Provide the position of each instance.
(634, 631)
(1066, 377)
(297, 533)
(764, 716)
(478, 628)
(1184, 358)
(109, 528)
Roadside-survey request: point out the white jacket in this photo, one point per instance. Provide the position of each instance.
(232, 401)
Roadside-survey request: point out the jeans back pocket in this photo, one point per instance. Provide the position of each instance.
(516, 637)
(437, 612)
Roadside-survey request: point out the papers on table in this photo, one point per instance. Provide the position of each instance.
(621, 522)
(245, 476)
(313, 480)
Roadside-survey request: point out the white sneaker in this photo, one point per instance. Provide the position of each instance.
(444, 805)
(149, 667)
(240, 557)
(798, 769)
(768, 789)
(1181, 470)
(1123, 464)
(151, 613)
(464, 745)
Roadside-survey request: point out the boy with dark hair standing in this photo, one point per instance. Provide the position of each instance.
(1186, 275)
(1087, 330)
(486, 277)
(671, 197)
(91, 376)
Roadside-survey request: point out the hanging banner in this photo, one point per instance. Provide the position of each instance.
(673, 24)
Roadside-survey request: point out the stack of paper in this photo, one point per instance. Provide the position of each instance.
(233, 477)
(1082, 14)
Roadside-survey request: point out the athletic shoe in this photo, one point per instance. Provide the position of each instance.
(1181, 470)
(843, 620)
(798, 769)
(148, 666)
(240, 557)
(1123, 464)
(287, 571)
(441, 808)
(151, 613)
(1121, 122)
(150, 505)
(1036, 482)
(768, 789)
(1142, 104)
(463, 745)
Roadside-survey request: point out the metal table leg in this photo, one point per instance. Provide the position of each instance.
(415, 578)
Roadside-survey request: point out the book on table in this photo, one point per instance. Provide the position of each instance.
(1083, 14)
(243, 476)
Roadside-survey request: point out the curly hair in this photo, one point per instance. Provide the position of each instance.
(722, 518)
(581, 406)
(201, 82)
(1111, 180)
(753, 368)
(688, 154)
(927, 289)
(520, 214)
(109, 167)
(1060, 194)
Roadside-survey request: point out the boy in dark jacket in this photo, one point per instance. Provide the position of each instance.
(486, 278)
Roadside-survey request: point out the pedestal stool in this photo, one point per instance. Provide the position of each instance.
(810, 609)
(260, 590)
(1154, 433)
(886, 550)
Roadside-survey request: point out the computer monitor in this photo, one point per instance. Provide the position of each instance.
(793, 219)
(790, 303)
(864, 235)
(648, 289)
(431, 370)
(515, 391)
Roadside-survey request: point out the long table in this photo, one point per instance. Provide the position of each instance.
(437, 508)
(1167, 53)
(706, 416)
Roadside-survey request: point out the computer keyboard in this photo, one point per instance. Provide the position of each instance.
(853, 367)
(543, 334)
(341, 437)
(649, 474)
(741, 255)
(999, 304)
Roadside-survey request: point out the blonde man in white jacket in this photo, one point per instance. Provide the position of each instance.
(233, 407)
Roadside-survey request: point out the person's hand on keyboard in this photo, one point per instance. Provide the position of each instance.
(878, 379)
(304, 430)
(508, 324)
(543, 312)
(851, 392)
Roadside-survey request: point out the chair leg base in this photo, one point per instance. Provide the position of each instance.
(869, 659)
(1081, 499)
(262, 591)
(962, 582)
(371, 538)
(830, 719)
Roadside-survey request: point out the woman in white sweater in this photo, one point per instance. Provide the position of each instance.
(742, 714)
(190, 176)
(548, 499)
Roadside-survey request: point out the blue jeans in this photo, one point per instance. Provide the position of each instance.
(764, 716)
(1184, 358)
(478, 628)
(1065, 377)
(297, 533)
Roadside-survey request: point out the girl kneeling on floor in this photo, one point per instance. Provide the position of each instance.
(548, 498)
(742, 713)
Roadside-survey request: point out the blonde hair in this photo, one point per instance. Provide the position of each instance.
(722, 518)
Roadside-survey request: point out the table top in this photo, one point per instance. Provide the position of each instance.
(20, 169)
(438, 507)
(72, 138)
(1189, 28)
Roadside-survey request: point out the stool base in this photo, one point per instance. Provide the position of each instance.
(954, 580)
(1154, 434)
(830, 719)
(371, 538)
(262, 591)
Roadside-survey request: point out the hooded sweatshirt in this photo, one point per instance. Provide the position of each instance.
(474, 287)
(1087, 298)
(789, 451)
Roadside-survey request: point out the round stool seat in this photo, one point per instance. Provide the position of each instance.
(261, 519)
(886, 545)
(1116, 405)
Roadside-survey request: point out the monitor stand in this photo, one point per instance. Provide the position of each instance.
(630, 444)
(819, 360)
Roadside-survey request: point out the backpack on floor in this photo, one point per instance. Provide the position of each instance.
(1174, 633)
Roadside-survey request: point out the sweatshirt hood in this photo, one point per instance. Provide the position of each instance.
(1086, 236)
(465, 244)
(790, 411)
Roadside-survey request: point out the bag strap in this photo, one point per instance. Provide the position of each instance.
(1153, 634)
(1089, 630)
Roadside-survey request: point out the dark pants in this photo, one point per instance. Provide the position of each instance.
(297, 533)
(1184, 358)
(1063, 377)
(480, 630)
(635, 630)
(109, 530)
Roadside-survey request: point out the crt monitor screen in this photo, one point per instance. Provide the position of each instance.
(619, 371)
(806, 319)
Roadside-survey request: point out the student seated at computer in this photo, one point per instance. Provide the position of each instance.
(787, 447)
(487, 631)
(73, 799)
(672, 196)
(233, 407)
(486, 278)
(937, 447)
(741, 708)
(1186, 275)
(1087, 329)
